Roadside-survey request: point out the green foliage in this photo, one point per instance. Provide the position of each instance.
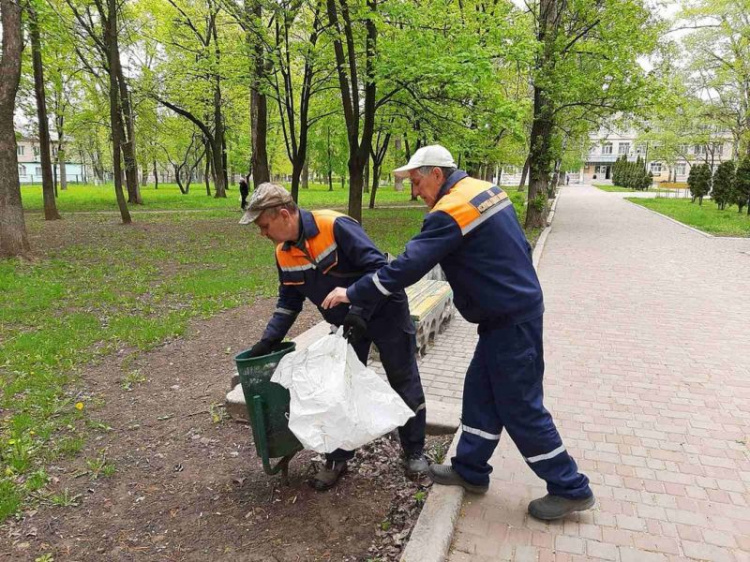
(741, 192)
(723, 184)
(632, 175)
(708, 219)
(699, 181)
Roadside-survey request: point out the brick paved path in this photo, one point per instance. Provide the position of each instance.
(648, 376)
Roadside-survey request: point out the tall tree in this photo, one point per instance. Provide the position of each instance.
(48, 187)
(360, 118)
(718, 51)
(290, 53)
(115, 109)
(189, 77)
(13, 238)
(98, 35)
(584, 70)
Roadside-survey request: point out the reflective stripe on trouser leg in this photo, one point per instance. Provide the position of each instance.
(480, 424)
(398, 353)
(515, 356)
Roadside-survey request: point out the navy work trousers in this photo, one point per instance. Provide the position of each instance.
(398, 350)
(503, 390)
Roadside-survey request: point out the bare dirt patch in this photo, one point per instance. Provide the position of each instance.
(187, 483)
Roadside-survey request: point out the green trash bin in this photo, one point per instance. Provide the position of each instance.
(268, 408)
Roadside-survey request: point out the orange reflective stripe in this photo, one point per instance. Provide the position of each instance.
(470, 202)
(321, 247)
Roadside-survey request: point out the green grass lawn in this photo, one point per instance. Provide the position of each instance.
(97, 286)
(706, 217)
(169, 197)
(612, 188)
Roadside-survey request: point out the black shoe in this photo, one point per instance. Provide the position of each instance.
(328, 475)
(552, 507)
(416, 463)
(445, 475)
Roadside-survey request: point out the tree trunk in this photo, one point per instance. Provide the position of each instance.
(356, 184)
(366, 180)
(524, 173)
(115, 111)
(306, 176)
(128, 139)
(346, 67)
(13, 238)
(539, 161)
(398, 183)
(48, 186)
(156, 176)
(207, 173)
(258, 103)
(62, 162)
(330, 180)
(375, 182)
(540, 158)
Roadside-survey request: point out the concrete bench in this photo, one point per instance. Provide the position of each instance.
(431, 306)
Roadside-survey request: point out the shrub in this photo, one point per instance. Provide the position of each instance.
(723, 184)
(741, 192)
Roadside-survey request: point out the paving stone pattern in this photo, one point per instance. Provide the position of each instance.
(648, 377)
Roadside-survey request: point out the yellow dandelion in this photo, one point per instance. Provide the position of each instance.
(79, 406)
(11, 441)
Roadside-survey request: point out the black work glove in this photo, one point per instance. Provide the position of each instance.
(263, 347)
(354, 326)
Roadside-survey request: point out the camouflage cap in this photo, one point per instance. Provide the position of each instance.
(266, 196)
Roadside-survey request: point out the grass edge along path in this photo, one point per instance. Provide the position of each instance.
(706, 218)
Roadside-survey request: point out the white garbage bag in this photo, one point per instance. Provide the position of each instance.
(337, 402)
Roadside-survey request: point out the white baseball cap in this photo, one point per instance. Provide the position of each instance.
(433, 155)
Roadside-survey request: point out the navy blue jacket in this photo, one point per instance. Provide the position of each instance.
(333, 251)
(474, 234)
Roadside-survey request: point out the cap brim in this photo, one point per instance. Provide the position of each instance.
(250, 216)
(403, 171)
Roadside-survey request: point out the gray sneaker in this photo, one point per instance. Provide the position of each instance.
(416, 464)
(556, 507)
(445, 475)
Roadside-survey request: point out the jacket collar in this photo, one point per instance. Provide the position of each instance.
(308, 229)
(452, 180)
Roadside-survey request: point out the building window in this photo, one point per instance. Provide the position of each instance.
(623, 148)
(718, 149)
(700, 149)
(680, 168)
(640, 148)
(684, 149)
(607, 148)
(36, 152)
(656, 167)
(22, 170)
(38, 171)
(20, 150)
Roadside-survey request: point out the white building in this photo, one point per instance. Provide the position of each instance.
(608, 146)
(30, 164)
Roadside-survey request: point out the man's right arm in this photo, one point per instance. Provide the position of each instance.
(288, 308)
(440, 236)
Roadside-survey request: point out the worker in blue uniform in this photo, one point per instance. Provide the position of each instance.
(316, 252)
(472, 231)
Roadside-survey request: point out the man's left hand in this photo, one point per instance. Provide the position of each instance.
(335, 298)
(354, 327)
